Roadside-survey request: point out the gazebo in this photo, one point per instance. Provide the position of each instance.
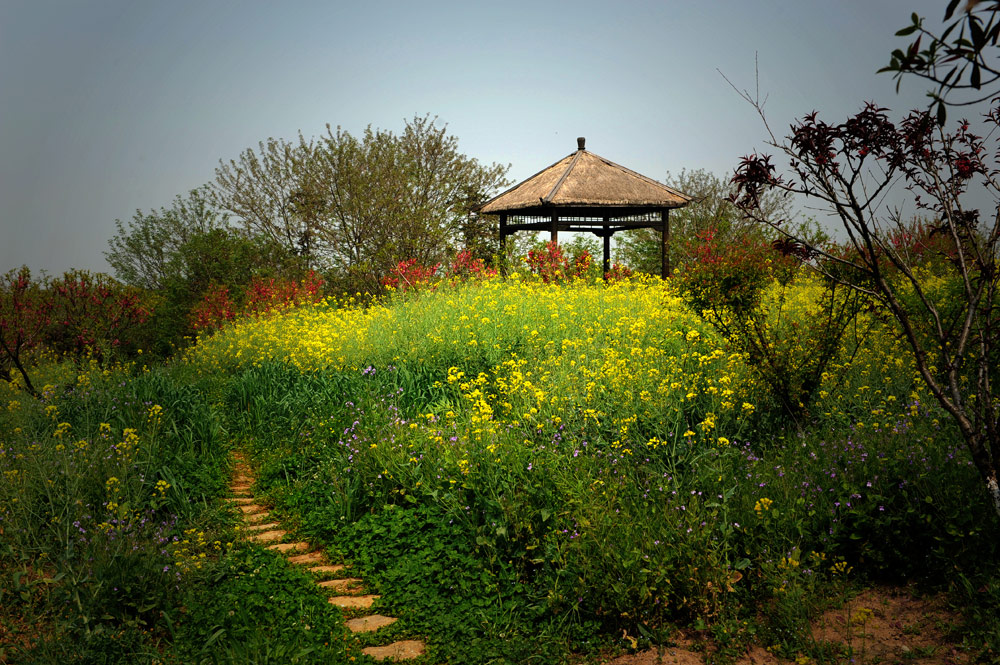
(584, 192)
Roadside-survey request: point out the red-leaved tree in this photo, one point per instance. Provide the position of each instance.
(25, 315)
(951, 324)
(92, 313)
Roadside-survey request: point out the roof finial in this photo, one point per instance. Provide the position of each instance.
(580, 141)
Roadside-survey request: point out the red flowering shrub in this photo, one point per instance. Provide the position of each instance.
(731, 275)
(618, 272)
(266, 295)
(409, 275)
(213, 310)
(80, 314)
(465, 266)
(552, 264)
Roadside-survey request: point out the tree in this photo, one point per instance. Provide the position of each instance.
(92, 314)
(270, 193)
(141, 252)
(356, 206)
(25, 315)
(744, 290)
(222, 258)
(393, 198)
(710, 209)
(951, 325)
(961, 70)
(79, 314)
(181, 251)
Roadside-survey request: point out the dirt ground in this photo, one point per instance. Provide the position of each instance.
(885, 626)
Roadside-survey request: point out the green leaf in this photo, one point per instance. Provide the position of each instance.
(978, 36)
(908, 30)
(950, 11)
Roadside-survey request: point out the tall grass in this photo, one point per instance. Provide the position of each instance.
(99, 479)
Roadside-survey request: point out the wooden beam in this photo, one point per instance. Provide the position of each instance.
(554, 230)
(588, 227)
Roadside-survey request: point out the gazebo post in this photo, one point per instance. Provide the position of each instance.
(606, 263)
(665, 245)
(555, 228)
(503, 243)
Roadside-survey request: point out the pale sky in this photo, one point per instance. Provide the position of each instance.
(111, 106)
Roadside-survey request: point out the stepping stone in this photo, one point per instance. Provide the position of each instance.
(345, 584)
(369, 623)
(404, 650)
(261, 527)
(257, 518)
(289, 547)
(240, 487)
(321, 569)
(354, 602)
(268, 536)
(252, 509)
(242, 480)
(311, 557)
(240, 500)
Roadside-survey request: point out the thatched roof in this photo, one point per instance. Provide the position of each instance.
(583, 180)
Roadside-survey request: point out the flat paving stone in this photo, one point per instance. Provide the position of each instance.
(405, 650)
(311, 557)
(345, 584)
(262, 527)
(369, 623)
(272, 536)
(354, 602)
(257, 518)
(336, 568)
(289, 547)
(240, 500)
(252, 508)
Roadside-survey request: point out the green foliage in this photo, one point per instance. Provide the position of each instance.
(254, 607)
(143, 252)
(956, 63)
(219, 259)
(709, 210)
(97, 480)
(179, 253)
(354, 207)
(743, 291)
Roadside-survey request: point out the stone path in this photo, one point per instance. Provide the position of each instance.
(346, 592)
